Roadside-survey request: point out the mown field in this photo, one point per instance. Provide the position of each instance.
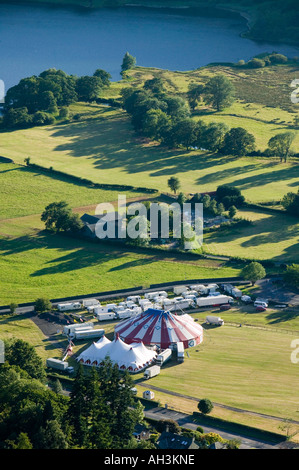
(27, 191)
(271, 236)
(103, 146)
(34, 263)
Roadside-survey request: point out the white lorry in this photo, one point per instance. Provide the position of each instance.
(69, 328)
(213, 301)
(69, 306)
(151, 372)
(106, 316)
(177, 290)
(163, 357)
(153, 295)
(90, 302)
(104, 308)
(180, 351)
(86, 334)
(214, 320)
(57, 364)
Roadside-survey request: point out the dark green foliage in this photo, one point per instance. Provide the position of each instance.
(128, 63)
(229, 196)
(88, 88)
(104, 76)
(205, 406)
(291, 203)
(219, 92)
(20, 353)
(253, 272)
(280, 145)
(291, 275)
(238, 142)
(58, 217)
(174, 183)
(42, 305)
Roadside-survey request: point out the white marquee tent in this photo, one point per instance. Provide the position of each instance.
(133, 358)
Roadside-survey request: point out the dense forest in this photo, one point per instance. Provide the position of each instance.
(270, 20)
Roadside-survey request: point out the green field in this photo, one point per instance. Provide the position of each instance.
(106, 150)
(27, 191)
(271, 236)
(243, 367)
(34, 263)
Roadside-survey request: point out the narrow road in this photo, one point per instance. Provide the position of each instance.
(232, 408)
(186, 421)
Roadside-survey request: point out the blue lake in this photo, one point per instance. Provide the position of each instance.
(35, 38)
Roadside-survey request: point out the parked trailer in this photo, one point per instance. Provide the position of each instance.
(57, 364)
(177, 290)
(200, 288)
(90, 302)
(106, 316)
(69, 306)
(68, 328)
(153, 295)
(151, 372)
(127, 313)
(105, 308)
(88, 334)
(163, 357)
(180, 351)
(214, 320)
(211, 301)
(134, 298)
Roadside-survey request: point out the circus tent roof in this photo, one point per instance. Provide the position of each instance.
(160, 327)
(133, 358)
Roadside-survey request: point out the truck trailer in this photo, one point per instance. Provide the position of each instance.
(57, 364)
(151, 372)
(106, 316)
(69, 328)
(87, 334)
(69, 306)
(163, 357)
(214, 320)
(90, 302)
(180, 350)
(213, 300)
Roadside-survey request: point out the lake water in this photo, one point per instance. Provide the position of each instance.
(33, 39)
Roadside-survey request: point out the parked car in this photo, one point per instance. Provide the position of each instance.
(225, 307)
(259, 308)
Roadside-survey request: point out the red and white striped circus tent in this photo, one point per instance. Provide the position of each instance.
(133, 358)
(162, 328)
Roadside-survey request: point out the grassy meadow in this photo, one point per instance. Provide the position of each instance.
(106, 150)
(34, 263)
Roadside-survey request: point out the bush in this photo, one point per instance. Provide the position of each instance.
(40, 118)
(256, 63)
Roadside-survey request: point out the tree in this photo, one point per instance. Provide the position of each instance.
(42, 305)
(104, 76)
(20, 353)
(185, 132)
(232, 211)
(128, 63)
(211, 137)
(89, 88)
(280, 145)
(229, 196)
(194, 94)
(291, 276)
(59, 217)
(219, 92)
(205, 406)
(174, 184)
(290, 202)
(237, 141)
(253, 272)
(13, 307)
